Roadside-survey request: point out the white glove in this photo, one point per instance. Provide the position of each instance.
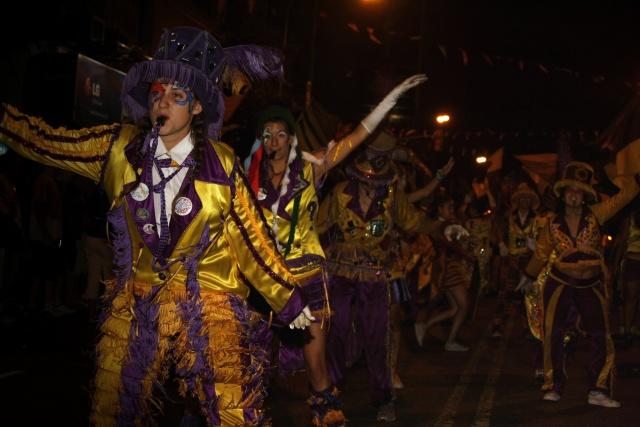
(455, 231)
(531, 244)
(525, 284)
(504, 251)
(303, 320)
(375, 117)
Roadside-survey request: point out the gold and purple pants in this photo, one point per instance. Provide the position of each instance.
(370, 301)
(562, 296)
(206, 337)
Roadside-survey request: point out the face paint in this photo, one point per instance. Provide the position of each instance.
(180, 94)
(281, 136)
(181, 100)
(155, 92)
(266, 136)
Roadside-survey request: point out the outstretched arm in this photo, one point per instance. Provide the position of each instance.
(628, 191)
(433, 184)
(337, 152)
(82, 151)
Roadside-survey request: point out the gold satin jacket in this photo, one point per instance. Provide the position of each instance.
(235, 251)
(518, 233)
(305, 256)
(362, 246)
(586, 250)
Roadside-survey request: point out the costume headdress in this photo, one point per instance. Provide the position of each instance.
(194, 58)
(373, 164)
(523, 190)
(579, 175)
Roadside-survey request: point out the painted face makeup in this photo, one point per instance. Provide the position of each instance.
(281, 136)
(179, 94)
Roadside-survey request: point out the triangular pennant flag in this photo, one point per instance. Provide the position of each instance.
(372, 36)
(465, 57)
(443, 50)
(487, 59)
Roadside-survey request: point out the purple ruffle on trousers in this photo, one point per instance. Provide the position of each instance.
(191, 313)
(143, 346)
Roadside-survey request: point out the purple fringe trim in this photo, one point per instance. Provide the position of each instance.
(257, 350)
(122, 255)
(143, 346)
(257, 62)
(47, 153)
(191, 312)
(59, 138)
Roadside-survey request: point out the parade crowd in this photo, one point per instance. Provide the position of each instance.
(223, 273)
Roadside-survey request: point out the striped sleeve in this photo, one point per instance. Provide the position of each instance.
(81, 151)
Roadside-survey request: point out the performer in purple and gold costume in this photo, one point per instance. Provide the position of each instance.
(576, 278)
(358, 217)
(189, 243)
(285, 180)
(516, 244)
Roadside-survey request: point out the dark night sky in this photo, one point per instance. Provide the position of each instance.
(592, 40)
(352, 72)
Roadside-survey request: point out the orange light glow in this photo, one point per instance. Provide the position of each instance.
(442, 118)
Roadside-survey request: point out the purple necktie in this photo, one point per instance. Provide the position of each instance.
(165, 235)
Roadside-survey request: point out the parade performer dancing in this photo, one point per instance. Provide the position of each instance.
(285, 180)
(576, 279)
(189, 244)
(358, 217)
(516, 244)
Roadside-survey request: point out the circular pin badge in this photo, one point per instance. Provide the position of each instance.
(261, 194)
(183, 206)
(149, 228)
(142, 213)
(141, 192)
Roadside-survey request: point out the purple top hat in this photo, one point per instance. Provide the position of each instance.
(193, 57)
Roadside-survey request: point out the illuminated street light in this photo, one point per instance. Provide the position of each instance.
(442, 119)
(481, 160)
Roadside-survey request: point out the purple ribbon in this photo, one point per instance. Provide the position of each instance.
(165, 234)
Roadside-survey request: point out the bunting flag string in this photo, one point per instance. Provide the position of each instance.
(377, 36)
(500, 135)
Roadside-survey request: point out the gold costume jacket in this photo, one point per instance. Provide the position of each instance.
(361, 245)
(518, 233)
(303, 252)
(222, 241)
(585, 251)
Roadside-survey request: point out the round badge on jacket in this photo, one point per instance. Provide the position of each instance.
(140, 193)
(183, 206)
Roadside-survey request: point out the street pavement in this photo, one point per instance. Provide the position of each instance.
(46, 365)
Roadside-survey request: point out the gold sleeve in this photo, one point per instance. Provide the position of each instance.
(255, 252)
(544, 248)
(410, 219)
(81, 151)
(329, 210)
(608, 208)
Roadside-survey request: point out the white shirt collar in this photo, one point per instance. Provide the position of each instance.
(178, 153)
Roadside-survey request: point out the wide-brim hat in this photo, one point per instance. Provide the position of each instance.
(374, 163)
(523, 190)
(194, 58)
(579, 175)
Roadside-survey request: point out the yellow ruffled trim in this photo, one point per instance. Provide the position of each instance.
(265, 243)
